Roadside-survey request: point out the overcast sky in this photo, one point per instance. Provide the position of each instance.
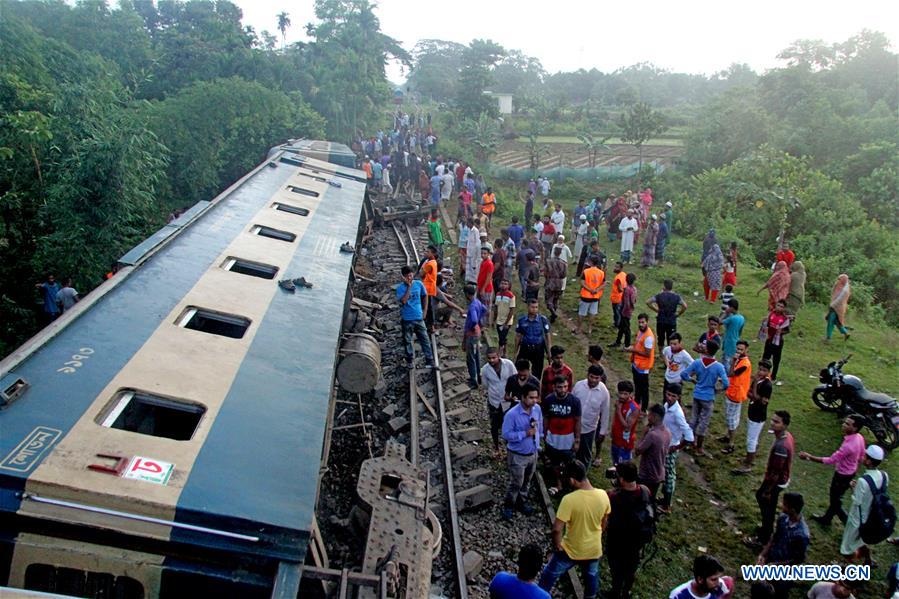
(695, 36)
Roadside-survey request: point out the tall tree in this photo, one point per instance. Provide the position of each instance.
(476, 76)
(347, 60)
(639, 124)
(435, 70)
(283, 26)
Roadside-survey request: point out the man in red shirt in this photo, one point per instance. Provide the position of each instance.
(785, 254)
(485, 277)
(556, 368)
(777, 476)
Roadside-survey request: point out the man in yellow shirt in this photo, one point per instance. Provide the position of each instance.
(582, 516)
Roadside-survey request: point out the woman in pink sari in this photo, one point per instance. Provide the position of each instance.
(778, 285)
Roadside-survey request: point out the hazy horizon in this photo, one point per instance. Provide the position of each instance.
(682, 39)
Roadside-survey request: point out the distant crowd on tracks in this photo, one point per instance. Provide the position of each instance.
(541, 412)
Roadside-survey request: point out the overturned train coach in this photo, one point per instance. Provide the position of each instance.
(164, 437)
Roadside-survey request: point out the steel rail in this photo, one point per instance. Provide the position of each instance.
(455, 533)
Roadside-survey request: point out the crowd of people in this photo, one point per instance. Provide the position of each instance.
(539, 412)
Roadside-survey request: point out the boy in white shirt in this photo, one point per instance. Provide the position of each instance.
(676, 360)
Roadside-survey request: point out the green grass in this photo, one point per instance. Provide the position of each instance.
(696, 522)
(571, 139)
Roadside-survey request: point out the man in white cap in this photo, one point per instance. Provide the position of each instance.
(581, 234)
(558, 218)
(628, 228)
(669, 216)
(871, 482)
(564, 256)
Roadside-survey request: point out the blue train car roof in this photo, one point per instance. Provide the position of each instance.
(250, 469)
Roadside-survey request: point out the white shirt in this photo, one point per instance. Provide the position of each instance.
(558, 219)
(538, 227)
(676, 363)
(676, 424)
(627, 237)
(565, 256)
(496, 383)
(544, 186)
(440, 168)
(447, 188)
(594, 406)
(473, 255)
(823, 590)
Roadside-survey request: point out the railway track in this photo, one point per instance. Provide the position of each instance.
(407, 243)
(443, 426)
(474, 481)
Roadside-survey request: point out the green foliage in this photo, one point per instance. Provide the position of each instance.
(435, 70)
(89, 166)
(476, 77)
(640, 123)
(734, 123)
(481, 134)
(216, 131)
(347, 63)
(767, 190)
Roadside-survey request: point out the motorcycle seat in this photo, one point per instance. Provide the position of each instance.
(876, 399)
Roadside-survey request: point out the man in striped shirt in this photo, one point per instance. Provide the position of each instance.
(562, 415)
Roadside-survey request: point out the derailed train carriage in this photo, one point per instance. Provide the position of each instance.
(164, 437)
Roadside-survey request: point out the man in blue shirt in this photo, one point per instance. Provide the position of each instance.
(474, 316)
(414, 301)
(533, 337)
(708, 371)
(506, 585)
(516, 232)
(522, 430)
(733, 330)
(435, 191)
(49, 289)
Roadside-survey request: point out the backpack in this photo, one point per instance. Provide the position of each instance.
(645, 519)
(882, 517)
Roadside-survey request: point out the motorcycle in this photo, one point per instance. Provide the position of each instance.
(845, 393)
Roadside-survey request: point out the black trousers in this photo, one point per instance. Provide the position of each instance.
(624, 330)
(623, 564)
(663, 332)
(533, 354)
(767, 497)
(773, 352)
(641, 388)
(496, 423)
(839, 484)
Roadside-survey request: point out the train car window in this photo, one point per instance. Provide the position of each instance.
(148, 414)
(247, 267)
(272, 233)
(303, 191)
(291, 161)
(290, 209)
(319, 179)
(80, 583)
(214, 323)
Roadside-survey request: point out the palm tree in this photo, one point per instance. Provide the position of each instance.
(283, 25)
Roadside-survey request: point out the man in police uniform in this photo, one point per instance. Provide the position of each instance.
(533, 337)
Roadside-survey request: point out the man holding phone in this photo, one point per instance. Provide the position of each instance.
(522, 430)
